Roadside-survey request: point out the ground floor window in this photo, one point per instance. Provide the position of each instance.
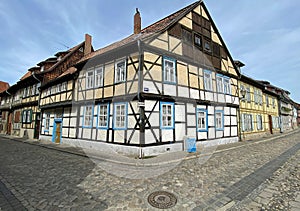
(247, 124)
(166, 115)
(103, 116)
(88, 116)
(27, 116)
(219, 118)
(201, 120)
(275, 122)
(120, 116)
(47, 121)
(259, 122)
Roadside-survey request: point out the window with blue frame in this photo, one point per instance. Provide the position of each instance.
(169, 70)
(88, 116)
(208, 80)
(201, 120)
(219, 120)
(227, 86)
(103, 116)
(120, 116)
(167, 115)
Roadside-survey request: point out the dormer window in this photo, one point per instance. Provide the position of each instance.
(198, 40)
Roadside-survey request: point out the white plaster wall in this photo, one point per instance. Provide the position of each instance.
(183, 92)
(170, 89)
(194, 94)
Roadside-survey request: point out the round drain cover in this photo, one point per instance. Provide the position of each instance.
(162, 199)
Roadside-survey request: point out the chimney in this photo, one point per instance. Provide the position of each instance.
(137, 22)
(87, 44)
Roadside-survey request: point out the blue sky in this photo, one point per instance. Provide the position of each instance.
(263, 34)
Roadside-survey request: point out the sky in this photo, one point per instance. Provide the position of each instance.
(264, 34)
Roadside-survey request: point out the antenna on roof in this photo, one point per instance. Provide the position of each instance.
(62, 44)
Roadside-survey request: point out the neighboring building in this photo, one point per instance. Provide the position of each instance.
(56, 101)
(147, 92)
(258, 109)
(287, 111)
(20, 103)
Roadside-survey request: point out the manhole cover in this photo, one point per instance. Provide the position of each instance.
(162, 199)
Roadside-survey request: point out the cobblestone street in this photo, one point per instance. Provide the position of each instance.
(252, 175)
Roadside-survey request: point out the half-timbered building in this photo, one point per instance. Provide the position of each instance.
(56, 99)
(171, 80)
(258, 109)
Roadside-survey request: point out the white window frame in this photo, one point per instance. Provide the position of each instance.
(120, 73)
(259, 122)
(167, 115)
(88, 113)
(102, 116)
(99, 70)
(220, 84)
(247, 122)
(63, 87)
(227, 85)
(120, 116)
(47, 122)
(169, 70)
(89, 79)
(248, 95)
(219, 120)
(208, 80)
(202, 120)
(26, 116)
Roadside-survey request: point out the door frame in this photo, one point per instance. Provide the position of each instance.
(270, 124)
(54, 129)
(37, 130)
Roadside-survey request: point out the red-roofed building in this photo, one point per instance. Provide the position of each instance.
(22, 100)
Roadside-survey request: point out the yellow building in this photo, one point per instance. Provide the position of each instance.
(258, 110)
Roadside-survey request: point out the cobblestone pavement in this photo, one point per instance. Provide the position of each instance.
(261, 175)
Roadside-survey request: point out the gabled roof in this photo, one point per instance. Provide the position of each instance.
(156, 27)
(159, 27)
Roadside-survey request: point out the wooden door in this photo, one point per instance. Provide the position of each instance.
(9, 123)
(270, 124)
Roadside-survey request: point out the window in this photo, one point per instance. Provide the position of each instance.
(198, 40)
(207, 80)
(26, 116)
(187, 36)
(48, 91)
(267, 100)
(58, 88)
(275, 122)
(98, 76)
(103, 116)
(33, 90)
(120, 71)
(247, 124)
(88, 116)
(248, 96)
(37, 88)
(120, 116)
(207, 46)
(219, 118)
(89, 79)
(64, 86)
(28, 91)
(53, 90)
(227, 87)
(259, 122)
(166, 115)
(273, 102)
(169, 70)
(220, 84)
(201, 120)
(24, 92)
(47, 122)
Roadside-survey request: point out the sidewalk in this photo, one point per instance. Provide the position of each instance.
(164, 159)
